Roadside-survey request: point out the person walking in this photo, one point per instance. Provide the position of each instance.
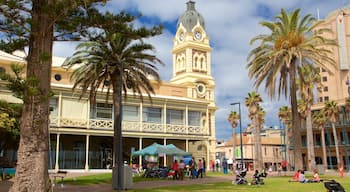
(176, 170)
(193, 168)
(224, 166)
(204, 166)
(200, 168)
(181, 168)
(279, 169)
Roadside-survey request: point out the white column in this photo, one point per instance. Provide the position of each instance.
(59, 105)
(88, 115)
(165, 159)
(207, 121)
(186, 145)
(141, 117)
(186, 119)
(164, 116)
(207, 158)
(57, 152)
(87, 153)
(140, 148)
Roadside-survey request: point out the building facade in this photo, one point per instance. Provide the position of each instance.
(181, 112)
(336, 87)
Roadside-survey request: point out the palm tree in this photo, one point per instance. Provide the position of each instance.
(319, 121)
(331, 112)
(294, 41)
(233, 119)
(285, 115)
(260, 120)
(306, 83)
(117, 59)
(252, 102)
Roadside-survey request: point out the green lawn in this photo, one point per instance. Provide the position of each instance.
(272, 184)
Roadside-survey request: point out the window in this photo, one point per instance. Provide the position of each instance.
(103, 111)
(318, 140)
(323, 70)
(321, 99)
(303, 141)
(58, 77)
(175, 117)
(194, 118)
(152, 115)
(325, 89)
(54, 106)
(131, 113)
(324, 78)
(326, 98)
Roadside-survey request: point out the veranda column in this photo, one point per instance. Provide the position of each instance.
(164, 163)
(87, 153)
(186, 119)
(186, 145)
(57, 152)
(140, 148)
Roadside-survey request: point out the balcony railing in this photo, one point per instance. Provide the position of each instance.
(128, 126)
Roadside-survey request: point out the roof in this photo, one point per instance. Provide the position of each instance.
(190, 18)
(9, 57)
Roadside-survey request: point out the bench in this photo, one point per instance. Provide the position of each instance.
(58, 175)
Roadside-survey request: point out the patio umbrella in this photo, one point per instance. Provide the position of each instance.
(153, 149)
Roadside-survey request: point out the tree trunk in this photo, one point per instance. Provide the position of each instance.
(32, 164)
(234, 148)
(324, 152)
(117, 127)
(310, 141)
(295, 118)
(260, 157)
(336, 144)
(256, 145)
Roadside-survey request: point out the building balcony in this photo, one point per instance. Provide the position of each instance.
(127, 126)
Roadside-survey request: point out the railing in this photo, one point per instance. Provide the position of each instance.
(128, 126)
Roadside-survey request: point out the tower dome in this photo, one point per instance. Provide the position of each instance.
(190, 17)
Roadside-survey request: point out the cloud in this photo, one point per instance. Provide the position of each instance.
(230, 25)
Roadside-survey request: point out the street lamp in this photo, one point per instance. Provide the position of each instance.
(240, 130)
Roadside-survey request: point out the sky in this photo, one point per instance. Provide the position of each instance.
(230, 24)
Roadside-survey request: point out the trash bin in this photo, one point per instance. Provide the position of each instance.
(126, 178)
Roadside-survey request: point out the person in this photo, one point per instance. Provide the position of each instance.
(176, 170)
(212, 165)
(284, 166)
(316, 177)
(200, 168)
(181, 168)
(341, 170)
(302, 178)
(217, 164)
(296, 176)
(193, 168)
(224, 166)
(204, 166)
(279, 169)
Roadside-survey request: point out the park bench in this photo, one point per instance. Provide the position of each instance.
(58, 175)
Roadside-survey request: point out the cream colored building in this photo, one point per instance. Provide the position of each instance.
(182, 112)
(336, 87)
(271, 145)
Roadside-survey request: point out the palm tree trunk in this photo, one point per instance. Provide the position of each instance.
(310, 141)
(295, 118)
(234, 148)
(256, 145)
(117, 136)
(336, 144)
(324, 152)
(260, 157)
(32, 164)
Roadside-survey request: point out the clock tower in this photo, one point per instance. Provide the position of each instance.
(191, 56)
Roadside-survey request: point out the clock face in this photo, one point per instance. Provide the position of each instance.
(182, 36)
(201, 89)
(197, 35)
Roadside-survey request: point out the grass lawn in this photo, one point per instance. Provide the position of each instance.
(272, 184)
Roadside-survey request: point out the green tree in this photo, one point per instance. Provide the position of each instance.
(293, 42)
(331, 111)
(306, 83)
(233, 119)
(118, 59)
(37, 24)
(253, 103)
(319, 121)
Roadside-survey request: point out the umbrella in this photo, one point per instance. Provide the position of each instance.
(156, 149)
(150, 150)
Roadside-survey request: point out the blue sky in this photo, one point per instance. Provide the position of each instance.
(230, 24)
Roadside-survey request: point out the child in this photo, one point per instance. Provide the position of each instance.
(316, 177)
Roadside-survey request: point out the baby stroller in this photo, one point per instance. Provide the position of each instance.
(240, 177)
(257, 180)
(333, 186)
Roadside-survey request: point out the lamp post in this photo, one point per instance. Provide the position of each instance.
(240, 130)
